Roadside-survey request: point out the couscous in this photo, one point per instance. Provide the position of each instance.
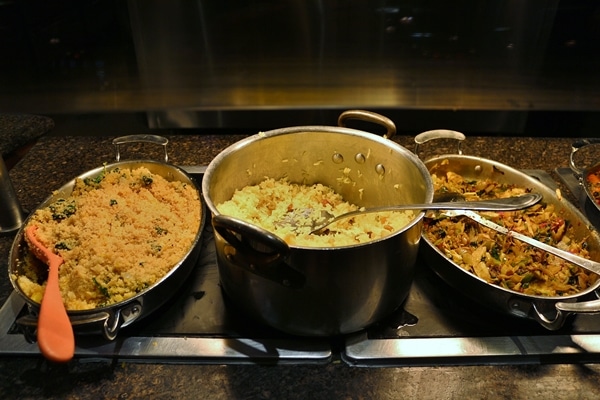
(118, 234)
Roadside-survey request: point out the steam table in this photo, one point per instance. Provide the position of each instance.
(55, 160)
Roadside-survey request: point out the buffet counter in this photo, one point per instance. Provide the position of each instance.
(53, 161)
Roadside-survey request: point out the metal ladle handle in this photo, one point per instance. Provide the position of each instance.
(500, 204)
(589, 265)
(563, 309)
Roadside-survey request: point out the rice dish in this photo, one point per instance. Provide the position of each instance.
(288, 209)
(118, 233)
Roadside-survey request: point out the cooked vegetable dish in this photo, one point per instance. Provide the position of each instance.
(500, 259)
(593, 181)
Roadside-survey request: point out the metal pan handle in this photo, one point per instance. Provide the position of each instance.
(257, 250)
(160, 140)
(564, 310)
(108, 322)
(575, 147)
(435, 134)
(369, 116)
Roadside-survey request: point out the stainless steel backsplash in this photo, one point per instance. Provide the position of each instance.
(485, 65)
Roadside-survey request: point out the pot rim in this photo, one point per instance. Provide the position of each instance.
(316, 129)
(581, 174)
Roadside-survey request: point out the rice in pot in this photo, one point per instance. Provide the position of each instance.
(118, 234)
(287, 209)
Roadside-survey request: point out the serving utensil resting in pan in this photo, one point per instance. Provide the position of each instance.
(313, 291)
(504, 204)
(590, 265)
(107, 320)
(549, 311)
(54, 332)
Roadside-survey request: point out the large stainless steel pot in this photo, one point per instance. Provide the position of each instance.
(550, 312)
(318, 291)
(110, 319)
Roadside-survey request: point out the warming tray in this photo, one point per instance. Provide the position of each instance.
(195, 326)
(436, 326)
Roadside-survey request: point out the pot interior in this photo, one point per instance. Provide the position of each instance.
(365, 169)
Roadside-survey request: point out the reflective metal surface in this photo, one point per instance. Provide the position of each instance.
(256, 63)
(12, 214)
(339, 289)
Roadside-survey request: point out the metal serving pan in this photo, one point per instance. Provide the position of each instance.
(108, 320)
(550, 312)
(588, 177)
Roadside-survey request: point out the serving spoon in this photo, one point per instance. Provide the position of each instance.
(501, 204)
(55, 335)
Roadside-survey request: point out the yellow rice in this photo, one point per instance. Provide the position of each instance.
(126, 232)
(287, 209)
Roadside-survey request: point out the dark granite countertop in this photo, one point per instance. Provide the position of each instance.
(17, 130)
(55, 160)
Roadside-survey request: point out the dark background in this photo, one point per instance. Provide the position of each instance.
(482, 67)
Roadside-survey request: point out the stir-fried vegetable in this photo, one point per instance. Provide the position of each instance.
(501, 259)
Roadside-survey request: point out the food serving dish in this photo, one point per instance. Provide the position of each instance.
(108, 320)
(435, 326)
(318, 291)
(588, 177)
(549, 311)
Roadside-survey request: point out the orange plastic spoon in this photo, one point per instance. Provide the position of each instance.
(54, 330)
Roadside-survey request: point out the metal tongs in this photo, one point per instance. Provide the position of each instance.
(589, 265)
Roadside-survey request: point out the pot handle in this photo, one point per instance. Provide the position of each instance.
(112, 322)
(576, 146)
(564, 310)
(369, 116)
(257, 250)
(107, 322)
(426, 136)
(160, 140)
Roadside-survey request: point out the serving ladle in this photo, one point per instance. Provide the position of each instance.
(55, 335)
(502, 204)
